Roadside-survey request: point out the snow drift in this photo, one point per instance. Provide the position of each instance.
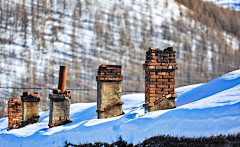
(202, 110)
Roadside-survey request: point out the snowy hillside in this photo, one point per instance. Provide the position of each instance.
(80, 35)
(202, 110)
(232, 4)
(39, 36)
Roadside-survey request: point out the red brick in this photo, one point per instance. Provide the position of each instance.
(152, 73)
(175, 95)
(153, 80)
(52, 125)
(152, 92)
(11, 122)
(152, 86)
(19, 102)
(173, 64)
(152, 99)
(162, 86)
(164, 64)
(154, 63)
(152, 89)
(152, 67)
(151, 104)
(166, 89)
(121, 103)
(155, 83)
(11, 102)
(154, 95)
(170, 83)
(159, 92)
(109, 68)
(162, 67)
(162, 92)
(154, 77)
(101, 109)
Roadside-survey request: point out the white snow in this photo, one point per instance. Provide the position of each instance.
(231, 4)
(213, 87)
(202, 110)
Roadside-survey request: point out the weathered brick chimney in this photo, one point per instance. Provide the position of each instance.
(14, 113)
(109, 91)
(159, 69)
(30, 107)
(60, 102)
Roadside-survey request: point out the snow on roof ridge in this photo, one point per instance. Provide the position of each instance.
(231, 75)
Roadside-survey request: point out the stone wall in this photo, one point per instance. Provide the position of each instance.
(109, 91)
(14, 113)
(159, 69)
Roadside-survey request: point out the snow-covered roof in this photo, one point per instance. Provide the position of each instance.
(202, 110)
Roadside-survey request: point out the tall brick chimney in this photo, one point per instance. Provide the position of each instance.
(159, 69)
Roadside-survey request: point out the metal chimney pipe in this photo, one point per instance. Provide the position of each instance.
(62, 78)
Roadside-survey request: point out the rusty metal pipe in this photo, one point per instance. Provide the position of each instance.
(62, 78)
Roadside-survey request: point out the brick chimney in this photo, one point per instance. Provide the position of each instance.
(160, 66)
(14, 113)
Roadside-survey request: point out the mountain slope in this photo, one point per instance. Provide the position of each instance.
(201, 116)
(80, 35)
(39, 36)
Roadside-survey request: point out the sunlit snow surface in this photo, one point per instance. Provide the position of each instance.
(232, 4)
(202, 110)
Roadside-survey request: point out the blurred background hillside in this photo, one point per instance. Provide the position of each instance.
(37, 36)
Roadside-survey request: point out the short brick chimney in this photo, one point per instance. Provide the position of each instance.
(14, 113)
